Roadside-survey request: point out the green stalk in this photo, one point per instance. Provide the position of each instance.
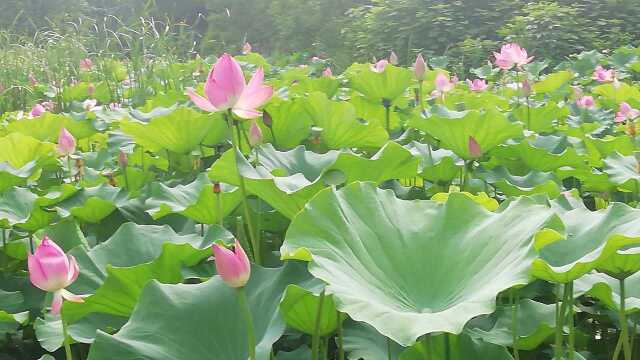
(616, 352)
(69, 168)
(340, 339)
(248, 318)
(568, 288)
(624, 328)
(65, 333)
(315, 339)
(515, 299)
(387, 115)
(243, 190)
(389, 349)
(560, 311)
(447, 347)
(220, 207)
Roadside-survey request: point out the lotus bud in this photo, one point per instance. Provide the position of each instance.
(66, 142)
(86, 64)
(51, 270)
(255, 134)
(32, 79)
(123, 161)
(474, 148)
(327, 72)
(585, 102)
(232, 266)
(37, 110)
(393, 58)
(91, 89)
(266, 119)
(420, 67)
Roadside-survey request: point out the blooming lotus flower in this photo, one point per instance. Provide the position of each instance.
(51, 270)
(255, 134)
(420, 67)
(379, 66)
(37, 110)
(477, 85)
(66, 142)
(393, 58)
(600, 74)
(585, 102)
(327, 72)
(225, 89)
(232, 266)
(626, 112)
(86, 64)
(246, 48)
(474, 148)
(443, 84)
(510, 55)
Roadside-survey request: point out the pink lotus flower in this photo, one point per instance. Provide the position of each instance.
(51, 270)
(626, 112)
(255, 134)
(327, 72)
(420, 67)
(602, 75)
(585, 102)
(474, 148)
(86, 64)
(37, 110)
(225, 89)
(232, 266)
(510, 55)
(379, 66)
(477, 85)
(66, 142)
(443, 84)
(393, 58)
(246, 48)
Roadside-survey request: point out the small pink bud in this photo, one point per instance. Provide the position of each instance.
(123, 161)
(216, 188)
(474, 148)
(246, 48)
(420, 67)
(91, 89)
(393, 58)
(379, 66)
(86, 64)
(32, 79)
(255, 134)
(266, 119)
(37, 110)
(585, 102)
(526, 87)
(66, 142)
(232, 266)
(327, 72)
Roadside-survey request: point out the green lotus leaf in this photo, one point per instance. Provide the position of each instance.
(483, 199)
(50, 335)
(18, 150)
(255, 59)
(577, 249)
(115, 271)
(192, 322)
(475, 100)
(394, 264)
(608, 145)
(543, 118)
(374, 113)
(461, 347)
(11, 312)
(180, 131)
(489, 128)
(553, 82)
(435, 165)
(389, 84)
(611, 95)
(47, 127)
(535, 182)
(92, 204)
(16, 206)
(536, 322)
(623, 171)
(299, 308)
(10, 176)
(361, 341)
(607, 289)
(196, 200)
(544, 153)
(288, 180)
(327, 85)
(590, 179)
(291, 123)
(340, 126)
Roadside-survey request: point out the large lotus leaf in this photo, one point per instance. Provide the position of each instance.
(608, 145)
(180, 131)
(541, 119)
(200, 321)
(196, 200)
(50, 335)
(395, 264)
(302, 352)
(589, 239)
(288, 180)
(590, 179)
(435, 165)
(291, 123)
(388, 84)
(11, 314)
(544, 153)
(18, 150)
(623, 171)
(16, 206)
(483, 199)
(10, 176)
(47, 127)
(489, 128)
(299, 308)
(374, 113)
(613, 94)
(553, 82)
(361, 341)
(607, 289)
(536, 322)
(472, 100)
(115, 271)
(92, 204)
(461, 347)
(327, 85)
(535, 182)
(340, 126)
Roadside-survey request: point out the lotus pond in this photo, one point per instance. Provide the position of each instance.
(163, 211)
